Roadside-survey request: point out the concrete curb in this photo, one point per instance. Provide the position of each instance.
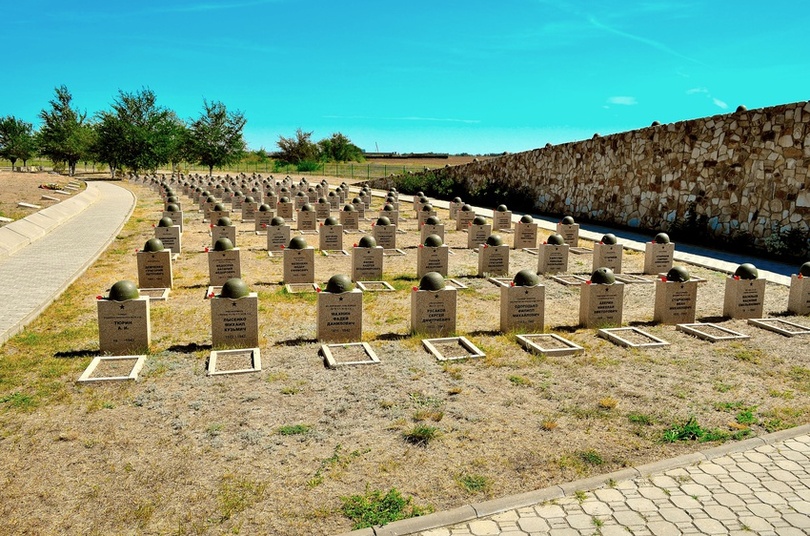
(480, 510)
(18, 234)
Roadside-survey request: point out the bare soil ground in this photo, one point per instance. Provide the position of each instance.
(178, 452)
(25, 187)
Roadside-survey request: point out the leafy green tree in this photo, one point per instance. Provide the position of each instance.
(137, 133)
(298, 149)
(16, 140)
(64, 136)
(339, 148)
(215, 138)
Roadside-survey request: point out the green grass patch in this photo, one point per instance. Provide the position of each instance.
(474, 483)
(293, 429)
(375, 508)
(692, 431)
(421, 435)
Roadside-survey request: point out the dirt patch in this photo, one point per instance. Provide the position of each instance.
(272, 452)
(28, 188)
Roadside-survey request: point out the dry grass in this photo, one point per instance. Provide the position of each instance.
(181, 453)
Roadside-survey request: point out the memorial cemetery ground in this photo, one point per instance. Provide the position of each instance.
(178, 452)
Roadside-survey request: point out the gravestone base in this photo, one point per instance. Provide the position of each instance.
(608, 256)
(632, 338)
(235, 322)
(675, 302)
(301, 288)
(375, 286)
(744, 298)
(710, 332)
(782, 327)
(340, 316)
(549, 344)
(433, 312)
(658, 257)
(601, 305)
(155, 294)
(452, 348)
(799, 297)
(237, 361)
(342, 355)
(113, 368)
(523, 308)
(124, 327)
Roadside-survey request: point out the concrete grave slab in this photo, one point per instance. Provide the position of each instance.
(608, 256)
(631, 338)
(328, 252)
(340, 316)
(549, 344)
(28, 205)
(235, 322)
(113, 368)
(298, 288)
(348, 354)
(452, 348)
(580, 251)
(569, 280)
(744, 298)
(236, 361)
(212, 291)
(124, 327)
(710, 332)
(531, 251)
(456, 284)
(782, 327)
(799, 297)
(375, 286)
(500, 281)
(155, 294)
(658, 257)
(393, 252)
(630, 279)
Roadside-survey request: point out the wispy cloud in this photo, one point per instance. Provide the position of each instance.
(704, 91)
(405, 118)
(212, 6)
(649, 42)
(624, 101)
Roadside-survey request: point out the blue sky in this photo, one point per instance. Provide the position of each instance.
(445, 76)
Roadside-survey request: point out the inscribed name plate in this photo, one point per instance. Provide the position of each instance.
(523, 308)
(340, 316)
(552, 259)
(262, 220)
(223, 265)
(432, 259)
(171, 238)
(155, 269)
(235, 322)
(367, 264)
(608, 256)
(799, 297)
(675, 302)
(385, 235)
(744, 298)
(570, 233)
(477, 234)
(431, 229)
(601, 305)
(330, 238)
(350, 220)
(525, 235)
(433, 312)
(658, 257)
(299, 265)
(124, 327)
(307, 220)
(278, 236)
(223, 231)
(285, 210)
(464, 219)
(493, 260)
(502, 221)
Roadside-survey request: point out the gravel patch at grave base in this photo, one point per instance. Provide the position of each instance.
(180, 452)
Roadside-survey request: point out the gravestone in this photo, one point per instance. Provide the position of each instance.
(217, 211)
(236, 200)
(425, 212)
(173, 211)
(433, 306)
(223, 262)
(154, 265)
(207, 206)
(675, 298)
(331, 235)
(745, 293)
(285, 208)
(552, 256)
(367, 260)
(249, 208)
(360, 207)
(300, 199)
(493, 257)
(235, 316)
(385, 233)
(658, 255)
(525, 233)
(278, 234)
(799, 297)
(299, 262)
(523, 303)
(340, 311)
(334, 200)
(418, 202)
(432, 226)
(477, 232)
(454, 207)
(432, 256)
(502, 219)
(223, 229)
(464, 217)
(608, 253)
(169, 234)
(350, 218)
(307, 218)
(390, 212)
(323, 209)
(263, 217)
(270, 198)
(124, 325)
(569, 231)
(601, 300)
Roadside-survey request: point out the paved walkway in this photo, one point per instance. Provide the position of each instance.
(55, 248)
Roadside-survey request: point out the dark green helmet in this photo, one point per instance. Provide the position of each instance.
(307, 207)
(456, 200)
(431, 281)
(234, 288)
(427, 207)
(502, 208)
(526, 219)
(568, 220)
(171, 207)
(383, 220)
(367, 242)
(433, 241)
(284, 199)
(277, 221)
(330, 221)
(432, 220)
(388, 207)
(747, 271)
(224, 221)
(219, 207)
(661, 238)
(804, 270)
(223, 244)
(124, 290)
(349, 208)
(249, 199)
(678, 274)
(555, 240)
(603, 276)
(339, 283)
(165, 222)
(494, 240)
(153, 244)
(466, 208)
(526, 278)
(298, 243)
(609, 239)
(264, 207)
(479, 220)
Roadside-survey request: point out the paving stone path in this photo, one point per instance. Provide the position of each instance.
(33, 277)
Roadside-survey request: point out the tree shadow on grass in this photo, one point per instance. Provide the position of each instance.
(77, 354)
(189, 348)
(643, 323)
(392, 336)
(295, 342)
(711, 319)
(485, 333)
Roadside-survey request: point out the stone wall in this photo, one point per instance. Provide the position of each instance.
(743, 175)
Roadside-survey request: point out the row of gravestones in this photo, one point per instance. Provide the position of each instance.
(601, 304)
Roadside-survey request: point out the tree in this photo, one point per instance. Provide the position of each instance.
(137, 133)
(64, 136)
(16, 140)
(215, 138)
(298, 149)
(339, 148)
